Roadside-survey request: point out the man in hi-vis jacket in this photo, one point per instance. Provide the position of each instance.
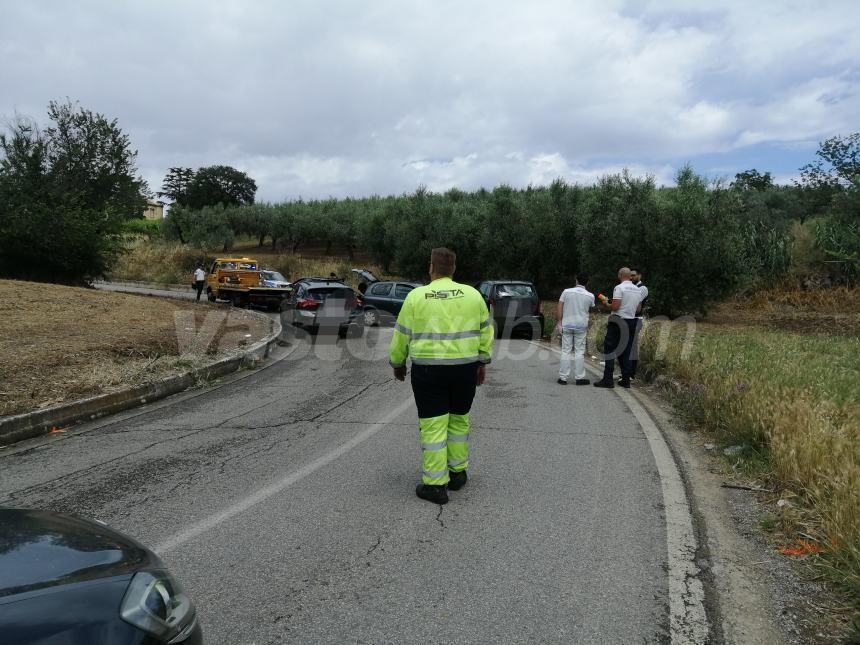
(445, 329)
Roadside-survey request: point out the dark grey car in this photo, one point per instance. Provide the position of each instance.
(383, 301)
(514, 306)
(317, 304)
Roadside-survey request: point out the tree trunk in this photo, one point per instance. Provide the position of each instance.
(262, 239)
(328, 247)
(296, 245)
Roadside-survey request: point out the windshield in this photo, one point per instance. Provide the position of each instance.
(274, 275)
(516, 290)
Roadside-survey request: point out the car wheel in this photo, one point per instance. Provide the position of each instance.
(355, 331)
(210, 296)
(371, 318)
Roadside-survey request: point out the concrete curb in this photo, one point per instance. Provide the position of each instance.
(32, 424)
(146, 285)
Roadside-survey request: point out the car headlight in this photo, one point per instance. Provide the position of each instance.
(155, 603)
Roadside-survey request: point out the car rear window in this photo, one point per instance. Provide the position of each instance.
(323, 293)
(516, 290)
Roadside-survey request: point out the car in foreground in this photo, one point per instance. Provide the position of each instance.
(383, 301)
(320, 304)
(514, 306)
(69, 580)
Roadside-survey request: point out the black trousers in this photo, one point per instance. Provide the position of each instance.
(444, 389)
(634, 348)
(620, 333)
(199, 284)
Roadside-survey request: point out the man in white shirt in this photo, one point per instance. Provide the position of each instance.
(636, 278)
(199, 280)
(620, 329)
(572, 315)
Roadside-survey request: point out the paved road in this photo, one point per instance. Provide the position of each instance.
(284, 502)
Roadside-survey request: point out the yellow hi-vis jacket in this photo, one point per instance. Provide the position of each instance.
(442, 323)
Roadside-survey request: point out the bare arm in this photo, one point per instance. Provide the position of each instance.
(559, 313)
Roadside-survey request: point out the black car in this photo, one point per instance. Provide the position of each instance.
(383, 301)
(320, 304)
(65, 579)
(514, 306)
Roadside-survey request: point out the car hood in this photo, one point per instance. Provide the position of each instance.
(42, 549)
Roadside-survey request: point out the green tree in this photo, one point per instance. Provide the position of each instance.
(752, 180)
(220, 185)
(176, 184)
(65, 194)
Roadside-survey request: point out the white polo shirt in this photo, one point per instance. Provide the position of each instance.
(630, 296)
(577, 302)
(199, 275)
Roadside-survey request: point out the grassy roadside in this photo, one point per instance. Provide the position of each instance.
(59, 344)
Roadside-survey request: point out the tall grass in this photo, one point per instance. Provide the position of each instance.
(792, 400)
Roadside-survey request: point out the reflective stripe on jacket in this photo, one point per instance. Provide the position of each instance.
(442, 323)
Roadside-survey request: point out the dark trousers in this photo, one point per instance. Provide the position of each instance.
(444, 389)
(199, 284)
(444, 395)
(620, 333)
(634, 348)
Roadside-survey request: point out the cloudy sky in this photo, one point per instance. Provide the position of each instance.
(351, 98)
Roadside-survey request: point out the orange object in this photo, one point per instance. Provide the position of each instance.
(601, 297)
(803, 548)
(55, 430)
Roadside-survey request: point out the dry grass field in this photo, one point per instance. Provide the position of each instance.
(59, 343)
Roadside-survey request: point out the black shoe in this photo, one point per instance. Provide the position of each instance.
(603, 383)
(561, 382)
(625, 382)
(583, 381)
(435, 494)
(458, 480)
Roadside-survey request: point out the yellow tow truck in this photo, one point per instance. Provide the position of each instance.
(240, 280)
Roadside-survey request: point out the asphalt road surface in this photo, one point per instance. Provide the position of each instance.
(284, 501)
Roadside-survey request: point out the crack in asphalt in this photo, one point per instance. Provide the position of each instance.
(77, 475)
(375, 546)
(439, 517)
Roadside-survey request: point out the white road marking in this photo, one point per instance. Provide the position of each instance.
(207, 523)
(688, 622)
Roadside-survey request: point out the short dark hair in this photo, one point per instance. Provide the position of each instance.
(582, 278)
(444, 261)
(634, 270)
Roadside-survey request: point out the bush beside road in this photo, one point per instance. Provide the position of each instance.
(59, 344)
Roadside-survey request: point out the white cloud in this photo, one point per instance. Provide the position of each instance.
(342, 98)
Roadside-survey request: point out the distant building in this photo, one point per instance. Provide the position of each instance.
(154, 210)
